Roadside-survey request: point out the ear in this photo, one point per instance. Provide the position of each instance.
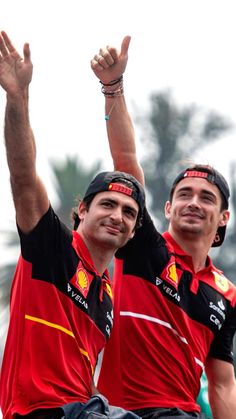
(167, 210)
(132, 234)
(224, 218)
(81, 210)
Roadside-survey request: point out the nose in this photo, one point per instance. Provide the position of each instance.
(116, 215)
(194, 202)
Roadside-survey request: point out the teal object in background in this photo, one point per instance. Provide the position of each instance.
(202, 399)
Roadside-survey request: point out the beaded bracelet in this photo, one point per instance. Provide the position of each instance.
(113, 82)
(113, 93)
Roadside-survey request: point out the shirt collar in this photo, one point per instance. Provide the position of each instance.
(83, 253)
(177, 250)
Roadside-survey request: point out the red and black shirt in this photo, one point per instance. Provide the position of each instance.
(167, 321)
(61, 318)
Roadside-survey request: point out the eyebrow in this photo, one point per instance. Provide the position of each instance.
(203, 191)
(114, 201)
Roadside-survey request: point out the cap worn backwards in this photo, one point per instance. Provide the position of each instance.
(214, 177)
(118, 182)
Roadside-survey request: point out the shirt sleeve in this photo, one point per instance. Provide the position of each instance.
(222, 345)
(146, 237)
(146, 252)
(45, 238)
(48, 248)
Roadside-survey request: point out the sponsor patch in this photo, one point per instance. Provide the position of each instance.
(195, 173)
(117, 187)
(171, 272)
(82, 280)
(221, 281)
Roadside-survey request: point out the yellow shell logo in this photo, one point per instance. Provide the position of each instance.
(221, 281)
(109, 291)
(172, 274)
(82, 279)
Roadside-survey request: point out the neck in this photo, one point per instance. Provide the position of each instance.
(100, 255)
(197, 248)
(100, 260)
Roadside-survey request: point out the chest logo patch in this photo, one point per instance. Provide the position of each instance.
(82, 280)
(171, 273)
(221, 282)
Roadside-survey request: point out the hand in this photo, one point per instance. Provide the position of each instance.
(15, 72)
(109, 65)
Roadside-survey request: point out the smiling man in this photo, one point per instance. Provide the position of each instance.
(61, 299)
(198, 210)
(175, 312)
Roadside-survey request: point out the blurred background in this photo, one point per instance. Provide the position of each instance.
(180, 88)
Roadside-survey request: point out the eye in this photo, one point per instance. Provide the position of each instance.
(130, 212)
(208, 198)
(184, 194)
(106, 204)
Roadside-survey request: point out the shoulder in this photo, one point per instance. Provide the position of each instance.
(147, 239)
(222, 284)
(49, 234)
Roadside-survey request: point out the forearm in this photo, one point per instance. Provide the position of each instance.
(121, 137)
(109, 66)
(29, 194)
(223, 402)
(19, 139)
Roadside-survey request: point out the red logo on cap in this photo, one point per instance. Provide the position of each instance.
(117, 187)
(195, 173)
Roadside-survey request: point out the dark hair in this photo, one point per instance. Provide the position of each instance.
(88, 199)
(204, 169)
(74, 214)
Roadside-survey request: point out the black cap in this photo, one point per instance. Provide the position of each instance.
(118, 182)
(214, 177)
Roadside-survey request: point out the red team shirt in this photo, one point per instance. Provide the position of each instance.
(167, 320)
(61, 318)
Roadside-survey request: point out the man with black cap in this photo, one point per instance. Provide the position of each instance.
(175, 312)
(61, 300)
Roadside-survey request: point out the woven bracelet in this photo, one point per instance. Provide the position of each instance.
(112, 94)
(112, 82)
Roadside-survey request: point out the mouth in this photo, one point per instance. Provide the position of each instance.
(194, 215)
(192, 218)
(113, 229)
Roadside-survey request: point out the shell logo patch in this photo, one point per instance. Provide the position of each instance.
(221, 282)
(108, 290)
(82, 279)
(171, 273)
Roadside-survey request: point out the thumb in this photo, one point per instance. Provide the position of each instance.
(125, 45)
(26, 51)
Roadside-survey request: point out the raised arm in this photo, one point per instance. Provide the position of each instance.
(109, 65)
(29, 195)
(221, 388)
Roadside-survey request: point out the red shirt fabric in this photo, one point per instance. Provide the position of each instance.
(61, 317)
(167, 320)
